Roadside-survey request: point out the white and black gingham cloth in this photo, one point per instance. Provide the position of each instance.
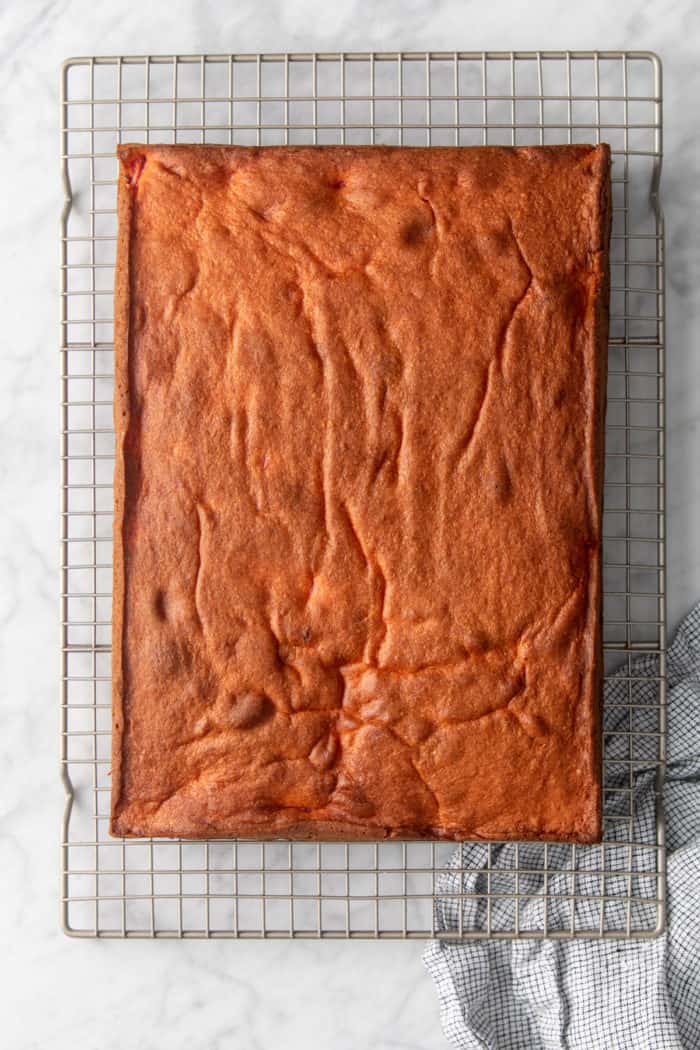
(590, 994)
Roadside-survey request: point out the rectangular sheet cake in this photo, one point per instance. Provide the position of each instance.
(359, 424)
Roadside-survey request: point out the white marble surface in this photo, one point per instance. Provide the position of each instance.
(63, 994)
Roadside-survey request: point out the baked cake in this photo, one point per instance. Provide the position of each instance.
(359, 425)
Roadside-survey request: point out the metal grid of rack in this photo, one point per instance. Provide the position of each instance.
(412, 889)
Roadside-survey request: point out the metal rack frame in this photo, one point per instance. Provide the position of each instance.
(161, 888)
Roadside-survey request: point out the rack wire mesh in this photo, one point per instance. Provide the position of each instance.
(160, 888)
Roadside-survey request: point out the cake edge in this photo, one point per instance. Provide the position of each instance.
(122, 316)
(601, 333)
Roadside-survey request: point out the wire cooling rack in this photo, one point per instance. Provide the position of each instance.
(161, 888)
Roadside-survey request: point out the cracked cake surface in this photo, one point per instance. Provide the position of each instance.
(359, 405)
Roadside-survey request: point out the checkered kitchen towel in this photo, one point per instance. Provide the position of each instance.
(589, 994)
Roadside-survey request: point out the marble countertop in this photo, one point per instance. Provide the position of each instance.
(64, 993)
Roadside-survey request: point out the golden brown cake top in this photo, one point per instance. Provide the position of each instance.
(358, 491)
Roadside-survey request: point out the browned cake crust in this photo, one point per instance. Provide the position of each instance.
(358, 491)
